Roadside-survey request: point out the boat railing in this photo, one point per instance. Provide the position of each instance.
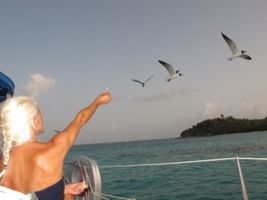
(237, 159)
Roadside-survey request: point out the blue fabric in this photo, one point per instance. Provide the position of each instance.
(7, 87)
(53, 192)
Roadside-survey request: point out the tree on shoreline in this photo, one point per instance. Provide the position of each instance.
(225, 125)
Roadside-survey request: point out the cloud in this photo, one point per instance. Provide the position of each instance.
(246, 108)
(157, 96)
(162, 95)
(38, 84)
(114, 128)
(209, 109)
(213, 109)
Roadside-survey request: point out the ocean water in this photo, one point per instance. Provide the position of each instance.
(199, 181)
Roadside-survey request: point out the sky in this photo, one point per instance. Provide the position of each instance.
(64, 53)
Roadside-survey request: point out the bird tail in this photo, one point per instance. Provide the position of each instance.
(168, 78)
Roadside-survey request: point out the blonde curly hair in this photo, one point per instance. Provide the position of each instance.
(16, 124)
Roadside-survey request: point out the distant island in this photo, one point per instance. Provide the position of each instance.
(224, 125)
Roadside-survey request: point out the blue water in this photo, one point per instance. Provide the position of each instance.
(201, 181)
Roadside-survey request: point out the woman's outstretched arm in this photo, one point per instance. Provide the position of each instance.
(65, 139)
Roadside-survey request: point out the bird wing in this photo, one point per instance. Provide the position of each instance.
(138, 81)
(245, 56)
(149, 78)
(168, 67)
(231, 44)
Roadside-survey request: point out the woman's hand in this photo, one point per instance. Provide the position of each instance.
(75, 188)
(103, 98)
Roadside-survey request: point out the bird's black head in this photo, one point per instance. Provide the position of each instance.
(243, 51)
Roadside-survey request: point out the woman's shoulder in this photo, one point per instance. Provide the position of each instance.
(1, 162)
(30, 153)
(46, 155)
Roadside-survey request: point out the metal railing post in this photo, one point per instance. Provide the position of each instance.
(242, 181)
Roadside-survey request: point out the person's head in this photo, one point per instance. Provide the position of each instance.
(20, 121)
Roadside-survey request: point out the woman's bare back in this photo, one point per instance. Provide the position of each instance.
(32, 167)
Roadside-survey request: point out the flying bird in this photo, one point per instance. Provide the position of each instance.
(235, 52)
(172, 74)
(143, 82)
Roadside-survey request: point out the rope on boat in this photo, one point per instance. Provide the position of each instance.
(116, 197)
(249, 158)
(100, 195)
(181, 162)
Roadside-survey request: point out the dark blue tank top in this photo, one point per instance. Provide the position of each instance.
(53, 192)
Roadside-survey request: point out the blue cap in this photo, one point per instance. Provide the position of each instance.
(7, 87)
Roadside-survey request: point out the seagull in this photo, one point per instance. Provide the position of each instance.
(169, 68)
(144, 82)
(235, 52)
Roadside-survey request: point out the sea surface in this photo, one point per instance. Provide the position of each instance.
(201, 181)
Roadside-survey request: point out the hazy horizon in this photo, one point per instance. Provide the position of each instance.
(64, 53)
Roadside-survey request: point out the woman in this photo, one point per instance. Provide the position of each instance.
(28, 165)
